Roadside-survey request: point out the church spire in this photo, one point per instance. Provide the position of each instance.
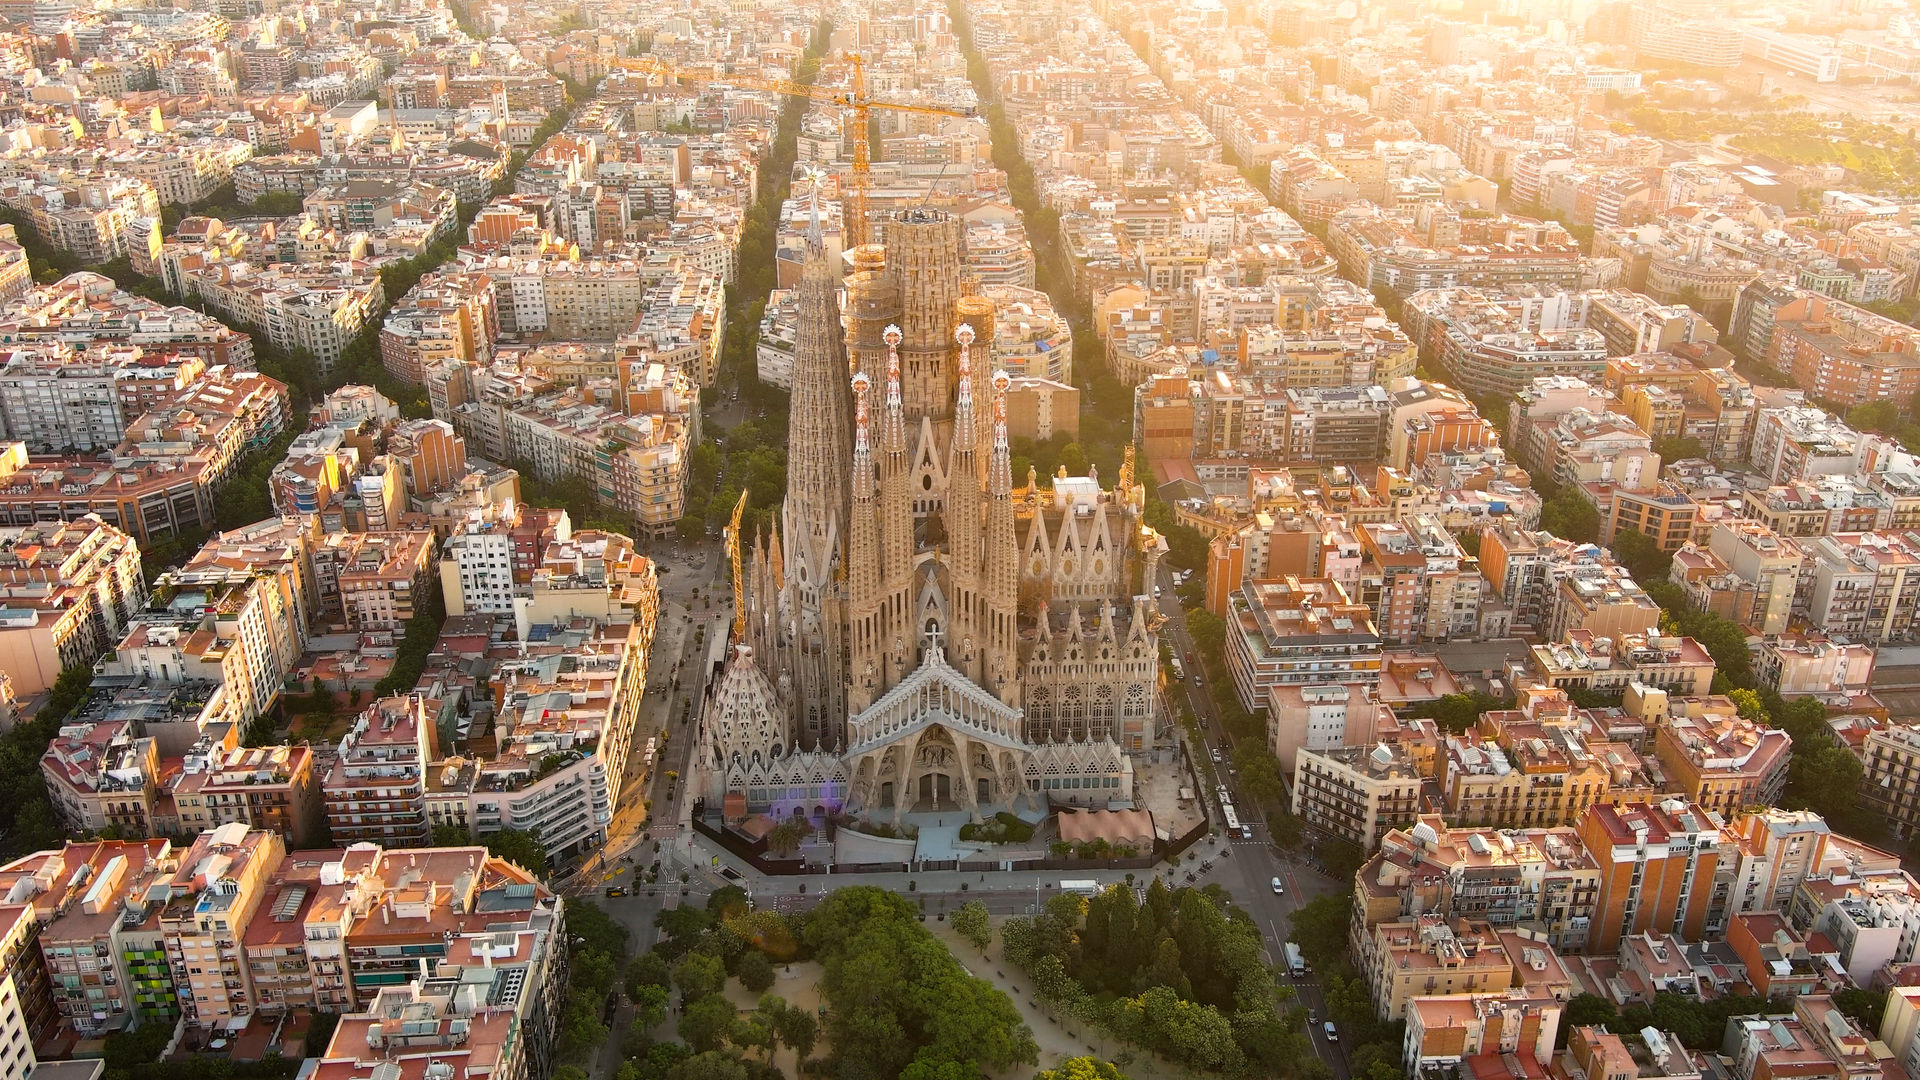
(814, 241)
(1000, 467)
(1001, 576)
(896, 522)
(962, 518)
(963, 434)
(866, 599)
(893, 431)
(862, 447)
(811, 532)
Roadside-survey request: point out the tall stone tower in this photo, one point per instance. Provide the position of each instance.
(927, 258)
(927, 254)
(873, 304)
(813, 517)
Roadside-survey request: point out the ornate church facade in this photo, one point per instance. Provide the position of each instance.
(920, 633)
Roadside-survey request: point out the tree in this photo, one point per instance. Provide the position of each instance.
(699, 975)
(1082, 1068)
(710, 1065)
(973, 923)
(797, 1028)
(727, 900)
(1864, 1007)
(754, 971)
(451, 836)
(707, 1023)
(647, 969)
(1568, 515)
(1679, 448)
(1641, 555)
(691, 527)
(1320, 928)
(521, 848)
(1074, 460)
(1586, 1010)
(785, 838)
(1874, 416)
(649, 1008)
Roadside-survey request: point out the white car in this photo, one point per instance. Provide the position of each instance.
(1332, 1035)
(1279, 889)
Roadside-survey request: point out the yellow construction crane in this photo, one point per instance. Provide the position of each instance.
(739, 583)
(857, 104)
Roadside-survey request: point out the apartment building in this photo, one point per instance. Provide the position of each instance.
(102, 775)
(1431, 955)
(67, 592)
(88, 312)
(1890, 786)
(1588, 661)
(214, 625)
(379, 579)
(1431, 418)
(317, 308)
(1419, 584)
(449, 315)
(1495, 342)
(271, 788)
(1720, 760)
(1844, 354)
(213, 897)
(1797, 664)
(1797, 442)
(1767, 564)
(1298, 631)
(375, 789)
(1446, 1031)
(98, 941)
(1657, 868)
(1865, 585)
(476, 933)
(1328, 716)
(594, 575)
(477, 568)
(1505, 877)
(1356, 793)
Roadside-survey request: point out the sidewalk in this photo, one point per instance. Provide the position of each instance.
(1046, 882)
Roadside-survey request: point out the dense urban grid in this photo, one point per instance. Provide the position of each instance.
(951, 539)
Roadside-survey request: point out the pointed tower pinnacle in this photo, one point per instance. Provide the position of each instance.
(1001, 578)
(1000, 469)
(963, 434)
(962, 516)
(862, 447)
(814, 241)
(866, 596)
(896, 523)
(811, 532)
(893, 431)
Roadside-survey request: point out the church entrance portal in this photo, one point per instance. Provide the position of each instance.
(936, 792)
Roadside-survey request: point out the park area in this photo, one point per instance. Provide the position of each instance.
(867, 985)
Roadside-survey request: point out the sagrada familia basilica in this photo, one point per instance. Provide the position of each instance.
(920, 633)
